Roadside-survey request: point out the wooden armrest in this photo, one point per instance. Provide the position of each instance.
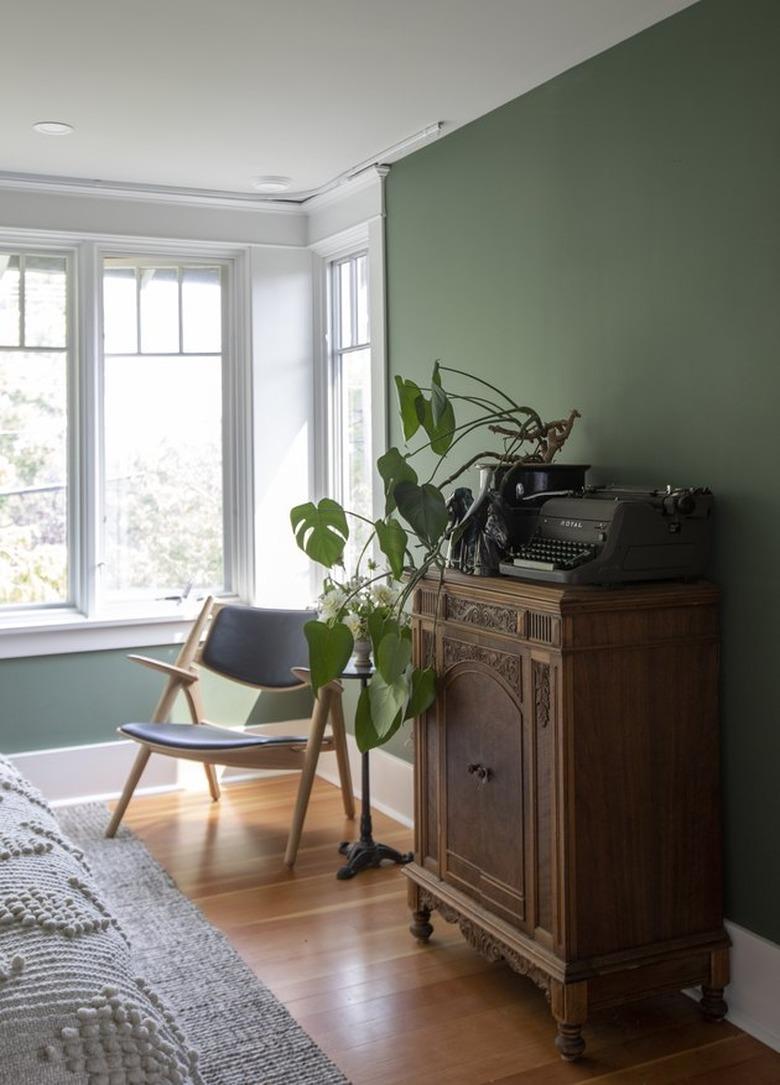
(303, 674)
(166, 668)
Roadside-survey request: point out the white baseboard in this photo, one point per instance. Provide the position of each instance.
(753, 995)
(392, 780)
(97, 772)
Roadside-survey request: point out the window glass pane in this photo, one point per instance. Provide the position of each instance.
(9, 300)
(201, 302)
(345, 304)
(159, 310)
(163, 475)
(361, 271)
(356, 459)
(33, 478)
(120, 325)
(45, 308)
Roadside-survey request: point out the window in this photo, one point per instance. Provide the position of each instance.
(163, 522)
(350, 400)
(125, 436)
(34, 378)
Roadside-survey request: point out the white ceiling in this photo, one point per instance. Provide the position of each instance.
(210, 93)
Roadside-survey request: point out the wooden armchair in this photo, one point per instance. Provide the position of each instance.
(262, 649)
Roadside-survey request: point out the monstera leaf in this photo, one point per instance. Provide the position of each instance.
(321, 530)
(442, 426)
(424, 510)
(393, 656)
(365, 732)
(394, 468)
(330, 647)
(388, 702)
(409, 396)
(392, 542)
(423, 692)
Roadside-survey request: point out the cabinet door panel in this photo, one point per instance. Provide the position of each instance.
(503, 798)
(463, 694)
(483, 765)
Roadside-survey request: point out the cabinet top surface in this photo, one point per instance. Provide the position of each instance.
(586, 597)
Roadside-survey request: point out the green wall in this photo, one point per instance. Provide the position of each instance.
(66, 700)
(610, 241)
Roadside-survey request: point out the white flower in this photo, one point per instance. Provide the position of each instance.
(355, 625)
(331, 601)
(384, 595)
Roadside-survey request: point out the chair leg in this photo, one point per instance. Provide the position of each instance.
(211, 776)
(132, 781)
(313, 746)
(342, 757)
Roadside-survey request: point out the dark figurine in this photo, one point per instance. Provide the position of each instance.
(493, 538)
(457, 506)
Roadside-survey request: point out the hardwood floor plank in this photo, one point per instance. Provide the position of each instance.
(387, 1010)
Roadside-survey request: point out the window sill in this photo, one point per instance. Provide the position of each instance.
(59, 632)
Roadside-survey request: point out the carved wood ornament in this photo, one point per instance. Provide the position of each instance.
(484, 943)
(486, 615)
(541, 678)
(503, 663)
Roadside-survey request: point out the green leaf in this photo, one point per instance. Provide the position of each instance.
(321, 530)
(393, 656)
(442, 428)
(365, 733)
(392, 542)
(408, 396)
(388, 701)
(378, 626)
(424, 509)
(330, 647)
(423, 692)
(394, 468)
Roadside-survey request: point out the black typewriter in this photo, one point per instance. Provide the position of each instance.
(615, 535)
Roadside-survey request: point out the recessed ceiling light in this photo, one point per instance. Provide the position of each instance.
(271, 183)
(53, 128)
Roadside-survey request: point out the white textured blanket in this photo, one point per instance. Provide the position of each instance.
(71, 1010)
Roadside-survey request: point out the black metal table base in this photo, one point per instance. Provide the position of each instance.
(365, 853)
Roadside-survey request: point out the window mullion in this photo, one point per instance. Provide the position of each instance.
(22, 295)
(88, 426)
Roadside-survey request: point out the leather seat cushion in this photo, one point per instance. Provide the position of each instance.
(202, 736)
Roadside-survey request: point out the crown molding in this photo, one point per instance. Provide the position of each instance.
(367, 178)
(76, 186)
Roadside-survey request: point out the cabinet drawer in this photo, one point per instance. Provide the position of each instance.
(491, 615)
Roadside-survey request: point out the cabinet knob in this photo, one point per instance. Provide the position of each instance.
(482, 774)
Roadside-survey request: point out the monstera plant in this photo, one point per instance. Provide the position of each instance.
(412, 538)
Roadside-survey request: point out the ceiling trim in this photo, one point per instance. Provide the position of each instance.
(76, 186)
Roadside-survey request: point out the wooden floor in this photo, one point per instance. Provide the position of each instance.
(386, 1010)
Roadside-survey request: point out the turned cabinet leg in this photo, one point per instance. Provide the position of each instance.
(421, 916)
(569, 1041)
(421, 925)
(713, 1004)
(569, 1004)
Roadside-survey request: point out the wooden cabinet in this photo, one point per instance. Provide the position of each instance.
(567, 811)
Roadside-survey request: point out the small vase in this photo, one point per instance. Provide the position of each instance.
(362, 652)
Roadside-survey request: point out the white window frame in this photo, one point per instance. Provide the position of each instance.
(84, 624)
(367, 238)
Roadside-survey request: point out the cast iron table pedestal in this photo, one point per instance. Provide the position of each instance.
(366, 852)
